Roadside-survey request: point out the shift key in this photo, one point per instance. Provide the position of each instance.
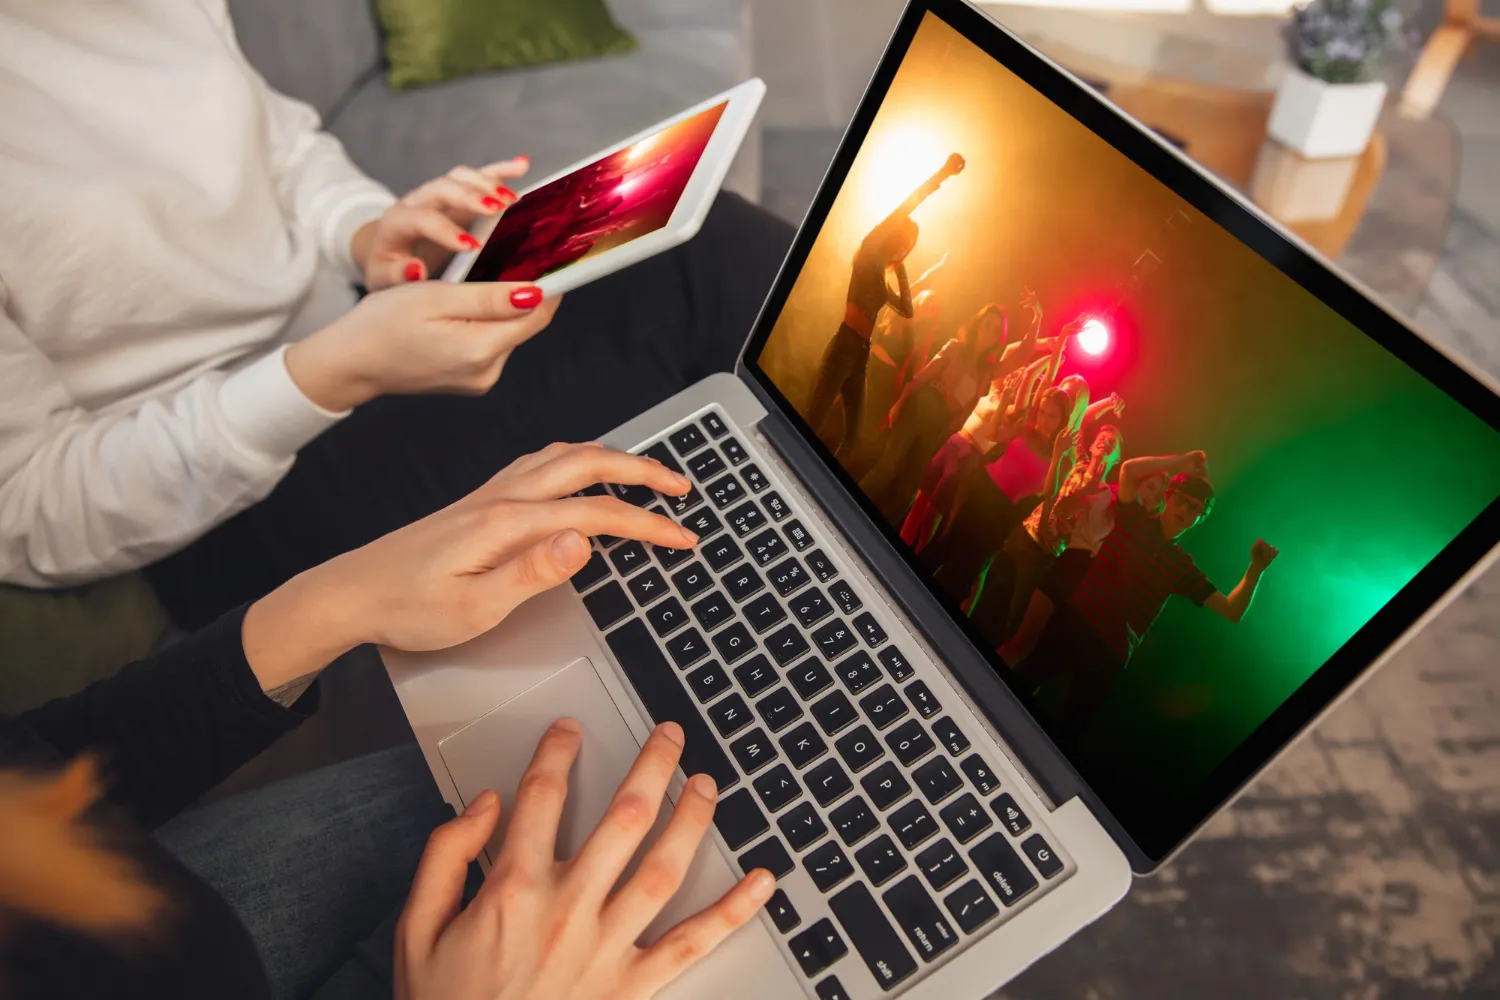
(872, 935)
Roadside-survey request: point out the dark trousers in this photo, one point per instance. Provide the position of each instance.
(616, 347)
(1008, 585)
(1071, 650)
(841, 373)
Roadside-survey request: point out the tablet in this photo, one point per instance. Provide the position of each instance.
(624, 204)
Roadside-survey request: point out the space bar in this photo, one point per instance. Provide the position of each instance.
(656, 684)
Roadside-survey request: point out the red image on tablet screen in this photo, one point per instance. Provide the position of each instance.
(615, 199)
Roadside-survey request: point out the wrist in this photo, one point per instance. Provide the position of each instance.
(361, 242)
(300, 627)
(327, 372)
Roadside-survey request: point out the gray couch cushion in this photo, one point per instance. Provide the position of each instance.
(314, 50)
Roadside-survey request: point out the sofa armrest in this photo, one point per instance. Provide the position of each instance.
(314, 50)
(644, 15)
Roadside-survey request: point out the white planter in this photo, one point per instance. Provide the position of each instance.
(1320, 120)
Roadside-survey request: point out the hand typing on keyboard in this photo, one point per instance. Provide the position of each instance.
(541, 928)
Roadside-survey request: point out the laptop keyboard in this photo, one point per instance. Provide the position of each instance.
(892, 839)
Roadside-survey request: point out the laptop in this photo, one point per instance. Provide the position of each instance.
(1295, 483)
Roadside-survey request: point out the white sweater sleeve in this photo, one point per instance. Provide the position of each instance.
(83, 495)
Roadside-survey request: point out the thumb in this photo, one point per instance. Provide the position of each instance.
(394, 269)
(438, 886)
(490, 300)
(539, 567)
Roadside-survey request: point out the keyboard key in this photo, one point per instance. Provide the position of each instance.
(810, 677)
(779, 709)
(950, 736)
(713, 611)
(1046, 860)
(783, 914)
(755, 675)
(802, 826)
(1010, 814)
(647, 587)
(844, 596)
(730, 715)
(811, 607)
(661, 453)
(665, 698)
(798, 536)
(895, 663)
(687, 440)
(883, 706)
(745, 519)
(753, 751)
(734, 642)
(828, 865)
(774, 505)
(859, 748)
(937, 780)
(667, 617)
(734, 451)
(821, 566)
(913, 824)
(705, 465)
(769, 854)
(858, 671)
(628, 558)
(788, 577)
(777, 787)
(834, 712)
(854, 821)
(971, 906)
(593, 571)
(608, 605)
(980, 773)
(708, 681)
(886, 786)
(742, 583)
(726, 492)
(687, 648)
(764, 613)
(1003, 869)
(880, 860)
(965, 818)
(834, 639)
(681, 505)
(941, 864)
(910, 742)
(754, 478)
(714, 424)
(721, 553)
(803, 745)
(920, 919)
(704, 523)
(692, 581)
(831, 989)
(869, 630)
(876, 942)
(828, 782)
(608, 541)
(787, 644)
(739, 819)
(818, 947)
(922, 700)
(766, 547)
(671, 558)
(638, 496)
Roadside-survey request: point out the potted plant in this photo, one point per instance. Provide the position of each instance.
(1330, 98)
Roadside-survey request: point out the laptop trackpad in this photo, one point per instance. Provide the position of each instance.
(493, 751)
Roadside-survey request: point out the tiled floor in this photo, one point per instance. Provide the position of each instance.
(1366, 864)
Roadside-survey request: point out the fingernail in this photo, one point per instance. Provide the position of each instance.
(412, 271)
(493, 204)
(683, 482)
(762, 884)
(673, 732)
(506, 194)
(528, 297)
(523, 158)
(567, 725)
(468, 241)
(690, 536)
(702, 784)
(569, 549)
(483, 802)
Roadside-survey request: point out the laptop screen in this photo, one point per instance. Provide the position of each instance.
(1158, 480)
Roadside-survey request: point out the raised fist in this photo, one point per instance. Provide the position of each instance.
(955, 165)
(1263, 553)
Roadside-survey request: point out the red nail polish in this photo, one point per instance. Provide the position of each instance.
(506, 194)
(492, 203)
(412, 271)
(526, 298)
(468, 241)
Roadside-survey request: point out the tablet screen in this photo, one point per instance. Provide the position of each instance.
(612, 201)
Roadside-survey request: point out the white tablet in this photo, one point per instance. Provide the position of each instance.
(634, 199)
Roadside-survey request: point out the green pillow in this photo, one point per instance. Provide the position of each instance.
(429, 41)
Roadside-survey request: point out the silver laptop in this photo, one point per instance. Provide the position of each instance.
(937, 818)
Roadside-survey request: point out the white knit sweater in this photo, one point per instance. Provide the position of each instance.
(168, 223)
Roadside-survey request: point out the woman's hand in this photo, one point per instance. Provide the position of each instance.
(542, 929)
(459, 572)
(420, 233)
(434, 336)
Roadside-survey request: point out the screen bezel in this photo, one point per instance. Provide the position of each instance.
(1154, 833)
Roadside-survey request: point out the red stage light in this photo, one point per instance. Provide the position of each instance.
(1093, 339)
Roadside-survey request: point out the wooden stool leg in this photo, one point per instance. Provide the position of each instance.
(1434, 67)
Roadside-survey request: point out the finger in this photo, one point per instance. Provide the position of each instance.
(591, 516)
(437, 888)
(490, 302)
(569, 470)
(504, 170)
(481, 185)
(666, 864)
(408, 226)
(531, 841)
(452, 195)
(630, 816)
(684, 945)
